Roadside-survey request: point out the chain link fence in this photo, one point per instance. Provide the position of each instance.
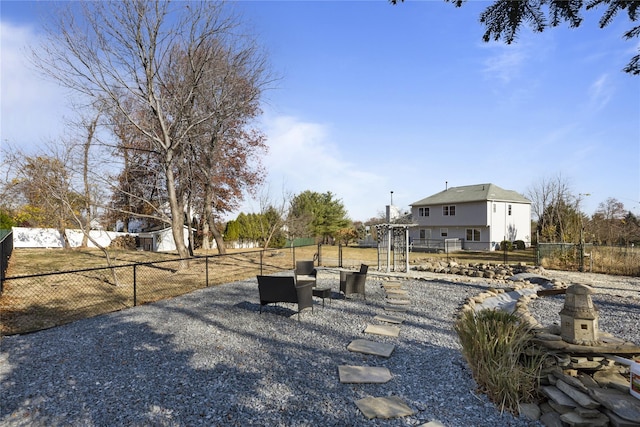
(40, 301)
(6, 249)
(34, 302)
(619, 260)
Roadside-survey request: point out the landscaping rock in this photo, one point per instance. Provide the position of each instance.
(551, 419)
(581, 398)
(575, 420)
(622, 404)
(530, 411)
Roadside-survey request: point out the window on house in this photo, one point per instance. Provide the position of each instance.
(449, 210)
(423, 211)
(509, 209)
(444, 232)
(473, 234)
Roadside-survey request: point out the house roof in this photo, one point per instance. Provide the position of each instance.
(472, 193)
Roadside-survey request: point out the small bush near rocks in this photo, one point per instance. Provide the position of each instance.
(495, 344)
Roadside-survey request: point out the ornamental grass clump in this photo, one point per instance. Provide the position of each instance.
(498, 349)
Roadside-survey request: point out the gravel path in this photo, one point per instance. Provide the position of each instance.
(210, 358)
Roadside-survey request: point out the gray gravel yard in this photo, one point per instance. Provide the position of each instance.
(210, 358)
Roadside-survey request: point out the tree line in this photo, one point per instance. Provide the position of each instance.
(308, 215)
(558, 216)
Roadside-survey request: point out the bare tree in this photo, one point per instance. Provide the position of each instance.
(148, 60)
(273, 215)
(608, 221)
(551, 203)
(90, 127)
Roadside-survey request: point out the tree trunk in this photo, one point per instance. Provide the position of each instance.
(206, 243)
(208, 225)
(91, 128)
(218, 238)
(177, 214)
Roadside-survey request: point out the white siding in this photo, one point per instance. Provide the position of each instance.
(516, 226)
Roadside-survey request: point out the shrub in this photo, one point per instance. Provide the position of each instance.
(127, 242)
(495, 345)
(520, 245)
(506, 245)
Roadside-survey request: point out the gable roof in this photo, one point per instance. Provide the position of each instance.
(473, 193)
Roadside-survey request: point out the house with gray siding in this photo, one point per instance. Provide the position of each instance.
(474, 217)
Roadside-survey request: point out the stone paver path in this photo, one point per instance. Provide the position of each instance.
(397, 301)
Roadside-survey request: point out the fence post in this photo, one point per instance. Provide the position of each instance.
(504, 250)
(446, 248)
(261, 260)
(206, 271)
(319, 254)
(135, 290)
(294, 254)
(340, 255)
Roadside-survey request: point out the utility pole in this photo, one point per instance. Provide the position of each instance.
(581, 245)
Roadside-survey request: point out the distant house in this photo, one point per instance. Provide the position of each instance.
(474, 217)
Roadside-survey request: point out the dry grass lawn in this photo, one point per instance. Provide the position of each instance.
(42, 300)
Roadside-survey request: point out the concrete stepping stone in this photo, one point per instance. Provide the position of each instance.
(384, 407)
(388, 319)
(371, 347)
(434, 423)
(386, 330)
(392, 285)
(391, 292)
(363, 374)
(396, 308)
(398, 301)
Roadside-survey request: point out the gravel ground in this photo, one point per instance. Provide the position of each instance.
(210, 358)
(617, 299)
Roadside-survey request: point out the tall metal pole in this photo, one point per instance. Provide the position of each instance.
(406, 248)
(388, 248)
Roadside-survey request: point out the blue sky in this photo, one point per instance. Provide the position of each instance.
(377, 98)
